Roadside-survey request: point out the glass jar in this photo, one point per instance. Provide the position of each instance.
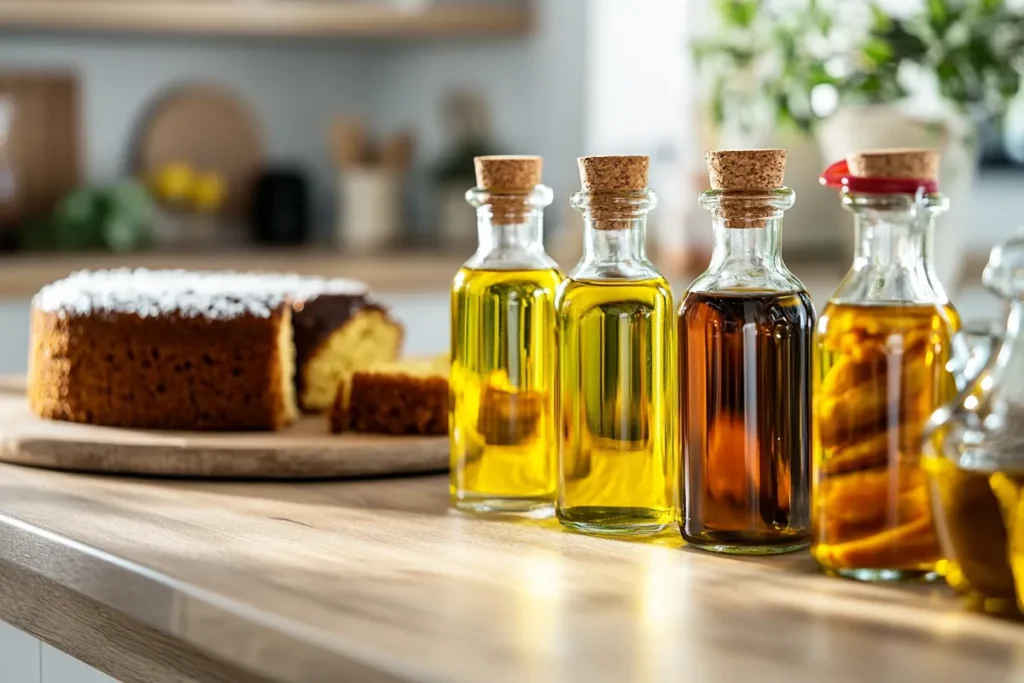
(617, 376)
(503, 348)
(745, 330)
(975, 453)
(881, 346)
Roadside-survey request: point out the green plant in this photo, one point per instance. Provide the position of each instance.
(780, 57)
(116, 217)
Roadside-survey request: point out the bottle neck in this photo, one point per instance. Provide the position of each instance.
(618, 241)
(890, 244)
(892, 258)
(525, 236)
(747, 249)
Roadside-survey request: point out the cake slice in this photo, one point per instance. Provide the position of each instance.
(338, 328)
(404, 397)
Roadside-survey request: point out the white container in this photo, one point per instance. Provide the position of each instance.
(369, 209)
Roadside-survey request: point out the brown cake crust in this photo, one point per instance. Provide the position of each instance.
(161, 372)
(391, 402)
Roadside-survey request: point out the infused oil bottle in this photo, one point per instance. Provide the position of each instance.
(616, 410)
(502, 428)
(745, 330)
(974, 455)
(882, 346)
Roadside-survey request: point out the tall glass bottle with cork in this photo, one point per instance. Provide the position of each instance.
(617, 379)
(882, 346)
(503, 347)
(745, 330)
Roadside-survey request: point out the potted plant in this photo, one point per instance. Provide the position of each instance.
(862, 77)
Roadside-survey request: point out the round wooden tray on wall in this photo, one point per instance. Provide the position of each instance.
(209, 128)
(306, 450)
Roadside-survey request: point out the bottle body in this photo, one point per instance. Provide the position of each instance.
(502, 389)
(616, 405)
(745, 363)
(881, 373)
(882, 346)
(501, 386)
(974, 455)
(978, 516)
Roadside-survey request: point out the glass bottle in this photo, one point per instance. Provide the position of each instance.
(974, 454)
(617, 377)
(745, 330)
(882, 346)
(503, 348)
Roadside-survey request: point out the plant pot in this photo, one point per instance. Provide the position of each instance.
(876, 127)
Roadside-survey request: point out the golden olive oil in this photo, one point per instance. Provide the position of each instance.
(502, 393)
(881, 372)
(616, 405)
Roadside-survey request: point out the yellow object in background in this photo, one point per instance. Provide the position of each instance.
(208, 191)
(173, 182)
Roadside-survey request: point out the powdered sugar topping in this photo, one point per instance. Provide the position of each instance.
(214, 295)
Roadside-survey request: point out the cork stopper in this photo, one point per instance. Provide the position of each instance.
(895, 163)
(515, 173)
(614, 173)
(746, 169)
(510, 179)
(746, 177)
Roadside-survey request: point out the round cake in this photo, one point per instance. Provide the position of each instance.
(175, 349)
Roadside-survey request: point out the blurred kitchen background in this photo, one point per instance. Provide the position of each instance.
(336, 136)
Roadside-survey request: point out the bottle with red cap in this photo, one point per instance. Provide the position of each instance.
(882, 344)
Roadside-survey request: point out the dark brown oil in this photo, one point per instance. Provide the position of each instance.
(745, 363)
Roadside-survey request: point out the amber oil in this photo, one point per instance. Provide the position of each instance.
(745, 359)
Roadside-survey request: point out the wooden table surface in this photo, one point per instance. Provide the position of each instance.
(376, 580)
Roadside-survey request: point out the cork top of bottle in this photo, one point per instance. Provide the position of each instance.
(510, 173)
(746, 169)
(614, 173)
(895, 163)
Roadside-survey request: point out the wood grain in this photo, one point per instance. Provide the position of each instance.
(306, 450)
(330, 18)
(377, 579)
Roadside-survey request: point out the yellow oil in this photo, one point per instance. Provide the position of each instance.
(617, 406)
(502, 390)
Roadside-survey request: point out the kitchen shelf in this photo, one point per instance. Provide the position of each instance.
(299, 18)
(21, 275)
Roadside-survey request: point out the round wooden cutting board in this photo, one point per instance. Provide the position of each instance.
(306, 450)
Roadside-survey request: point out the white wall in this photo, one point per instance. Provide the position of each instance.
(294, 89)
(534, 87)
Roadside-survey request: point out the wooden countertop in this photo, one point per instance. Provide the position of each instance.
(378, 581)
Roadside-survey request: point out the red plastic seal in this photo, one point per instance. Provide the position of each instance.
(838, 176)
